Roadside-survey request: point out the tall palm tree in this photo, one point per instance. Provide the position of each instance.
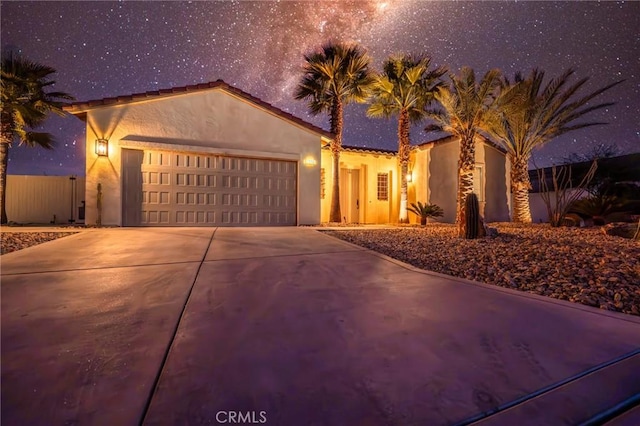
(465, 105)
(405, 88)
(25, 105)
(528, 114)
(336, 75)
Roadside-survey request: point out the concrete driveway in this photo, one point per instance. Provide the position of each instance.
(288, 326)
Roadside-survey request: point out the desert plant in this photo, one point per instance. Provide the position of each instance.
(336, 75)
(472, 217)
(99, 205)
(405, 87)
(25, 105)
(559, 198)
(465, 110)
(425, 211)
(597, 206)
(528, 114)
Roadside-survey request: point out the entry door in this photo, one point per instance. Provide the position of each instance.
(350, 195)
(131, 187)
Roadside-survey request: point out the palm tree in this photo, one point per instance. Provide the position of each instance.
(528, 114)
(25, 105)
(465, 106)
(336, 75)
(405, 88)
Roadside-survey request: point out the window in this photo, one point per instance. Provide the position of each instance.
(383, 186)
(322, 184)
(477, 183)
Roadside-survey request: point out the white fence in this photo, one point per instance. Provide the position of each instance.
(45, 199)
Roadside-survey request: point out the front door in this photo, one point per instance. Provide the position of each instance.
(350, 195)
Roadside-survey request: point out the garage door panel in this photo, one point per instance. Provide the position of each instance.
(190, 190)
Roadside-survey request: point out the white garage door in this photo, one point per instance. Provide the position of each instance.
(182, 189)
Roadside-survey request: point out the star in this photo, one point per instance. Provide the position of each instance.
(105, 49)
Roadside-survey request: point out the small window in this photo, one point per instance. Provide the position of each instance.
(322, 184)
(383, 186)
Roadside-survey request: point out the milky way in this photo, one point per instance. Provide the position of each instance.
(104, 49)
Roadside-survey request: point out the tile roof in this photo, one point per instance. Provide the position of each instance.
(79, 108)
(451, 138)
(351, 148)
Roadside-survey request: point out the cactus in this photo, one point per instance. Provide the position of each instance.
(472, 217)
(99, 205)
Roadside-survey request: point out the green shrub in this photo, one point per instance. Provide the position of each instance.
(425, 211)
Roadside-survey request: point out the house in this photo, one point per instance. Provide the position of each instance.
(207, 154)
(212, 154)
(369, 182)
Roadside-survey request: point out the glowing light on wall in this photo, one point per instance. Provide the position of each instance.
(102, 147)
(309, 161)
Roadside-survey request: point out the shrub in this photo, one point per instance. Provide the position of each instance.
(425, 211)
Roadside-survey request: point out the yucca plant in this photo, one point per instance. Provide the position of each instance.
(425, 211)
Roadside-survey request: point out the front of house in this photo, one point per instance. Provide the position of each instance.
(370, 183)
(213, 155)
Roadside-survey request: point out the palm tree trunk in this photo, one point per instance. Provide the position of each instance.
(336, 146)
(466, 164)
(520, 186)
(403, 154)
(4, 161)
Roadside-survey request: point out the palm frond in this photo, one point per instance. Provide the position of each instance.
(335, 73)
(26, 101)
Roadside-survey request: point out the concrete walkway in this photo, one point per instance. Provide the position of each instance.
(290, 326)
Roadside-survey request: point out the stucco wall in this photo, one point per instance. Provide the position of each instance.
(496, 186)
(213, 121)
(372, 210)
(443, 178)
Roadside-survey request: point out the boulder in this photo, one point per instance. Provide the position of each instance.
(621, 229)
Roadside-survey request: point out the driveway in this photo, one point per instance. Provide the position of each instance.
(288, 326)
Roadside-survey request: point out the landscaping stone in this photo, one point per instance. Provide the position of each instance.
(621, 229)
(578, 264)
(13, 241)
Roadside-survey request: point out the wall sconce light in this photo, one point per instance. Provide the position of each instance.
(409, 177)
(102, 147)
(309, 161)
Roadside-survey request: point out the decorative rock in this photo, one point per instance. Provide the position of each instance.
(579, 264)
(620, 229)
(14, 241)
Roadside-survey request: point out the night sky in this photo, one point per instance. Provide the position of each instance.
(104, 49)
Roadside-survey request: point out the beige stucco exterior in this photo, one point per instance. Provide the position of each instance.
(491, 179)
(221, 120)
(434, 178)
(213, 121)
(368, 164)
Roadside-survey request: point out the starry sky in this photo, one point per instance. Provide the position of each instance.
(105, 49)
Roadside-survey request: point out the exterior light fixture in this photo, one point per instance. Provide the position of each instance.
(102, 147)
(309, 161)
(409, 177)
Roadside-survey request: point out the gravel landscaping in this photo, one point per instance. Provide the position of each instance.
(579, 265)
(13, 241)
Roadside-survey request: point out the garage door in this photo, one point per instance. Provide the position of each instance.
(162, 188)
